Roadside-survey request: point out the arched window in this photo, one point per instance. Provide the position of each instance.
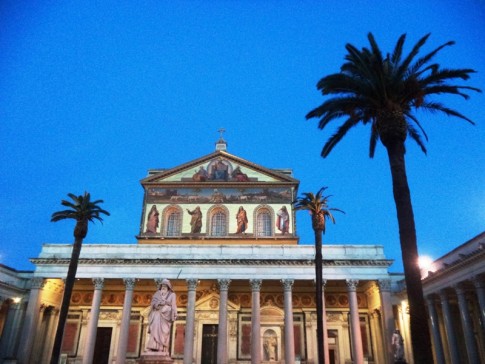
(263, 223)
(218, 223)
(173, 221)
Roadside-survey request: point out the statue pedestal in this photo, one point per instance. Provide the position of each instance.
(154, 357)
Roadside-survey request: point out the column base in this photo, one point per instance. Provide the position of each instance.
(154, 358)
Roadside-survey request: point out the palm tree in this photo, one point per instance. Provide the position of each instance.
(317, 206)
(82, 210)
(385, 92)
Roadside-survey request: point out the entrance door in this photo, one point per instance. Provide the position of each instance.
(209, 344)
(332, 336)
(101, 348)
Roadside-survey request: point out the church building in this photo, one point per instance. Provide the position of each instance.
(222, 230)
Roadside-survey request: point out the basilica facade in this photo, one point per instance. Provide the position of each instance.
(222, 230)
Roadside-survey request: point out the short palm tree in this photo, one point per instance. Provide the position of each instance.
(83, 210)
(317, 206)
(384, 92)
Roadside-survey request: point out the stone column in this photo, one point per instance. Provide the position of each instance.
(93, 321)
(38, 348)
(480, 290)
(125, 321)
(405, 320)
(31, 318)
(255, 321)
(376, 333)
(289, 334)
(466, 322)
(222, 328)
(190, 322)
(387, 316)
(325, 326)
(357, 350)
(10, 334)
(53, 318)
(435, 330)
(450, 332)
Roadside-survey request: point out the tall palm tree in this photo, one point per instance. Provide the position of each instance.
(385, 92)
(83, 210)
(317, 206)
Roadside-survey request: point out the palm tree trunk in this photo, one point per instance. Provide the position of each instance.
(66, 299)
(420, 338)
(319, 295)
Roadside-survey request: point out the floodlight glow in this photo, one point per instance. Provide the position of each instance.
(425, 262)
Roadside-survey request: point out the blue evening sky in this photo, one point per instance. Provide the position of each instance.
(95, 93)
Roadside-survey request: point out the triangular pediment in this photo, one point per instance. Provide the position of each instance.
(218, 167)
(212, 302)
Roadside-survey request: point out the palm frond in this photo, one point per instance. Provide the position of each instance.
(397, 53)
(413, 133)
(423, 60)
(339, 134)
(438, 107)
(374, 137)
(416, 121)
(403, 67)
(81, 209)
(369, 86)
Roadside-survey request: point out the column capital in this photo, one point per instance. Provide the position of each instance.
(37, 283)
(459, 289)
(352, 284)
(287, 284)
(192, 284)
(255, 284)
(224, 284)
(443, 295)
(478, 281)
(129, 283)
(430, 299)
(98, 283)
(384, 285)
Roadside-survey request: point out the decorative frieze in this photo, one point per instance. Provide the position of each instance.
(217, 262)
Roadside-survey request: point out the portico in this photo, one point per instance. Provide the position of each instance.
(282, 277)
(455, 289)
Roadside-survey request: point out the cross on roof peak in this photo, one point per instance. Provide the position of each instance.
(221, 143)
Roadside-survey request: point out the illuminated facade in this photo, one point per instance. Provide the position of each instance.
(222, 229)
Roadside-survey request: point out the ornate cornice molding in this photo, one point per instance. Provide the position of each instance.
(456, 265)
(272, 262)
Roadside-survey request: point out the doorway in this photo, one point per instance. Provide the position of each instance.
(209, 344)
(102, 346)
(332, 336)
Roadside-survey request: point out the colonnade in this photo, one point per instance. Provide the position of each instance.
(458, 308)
(33, 310)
